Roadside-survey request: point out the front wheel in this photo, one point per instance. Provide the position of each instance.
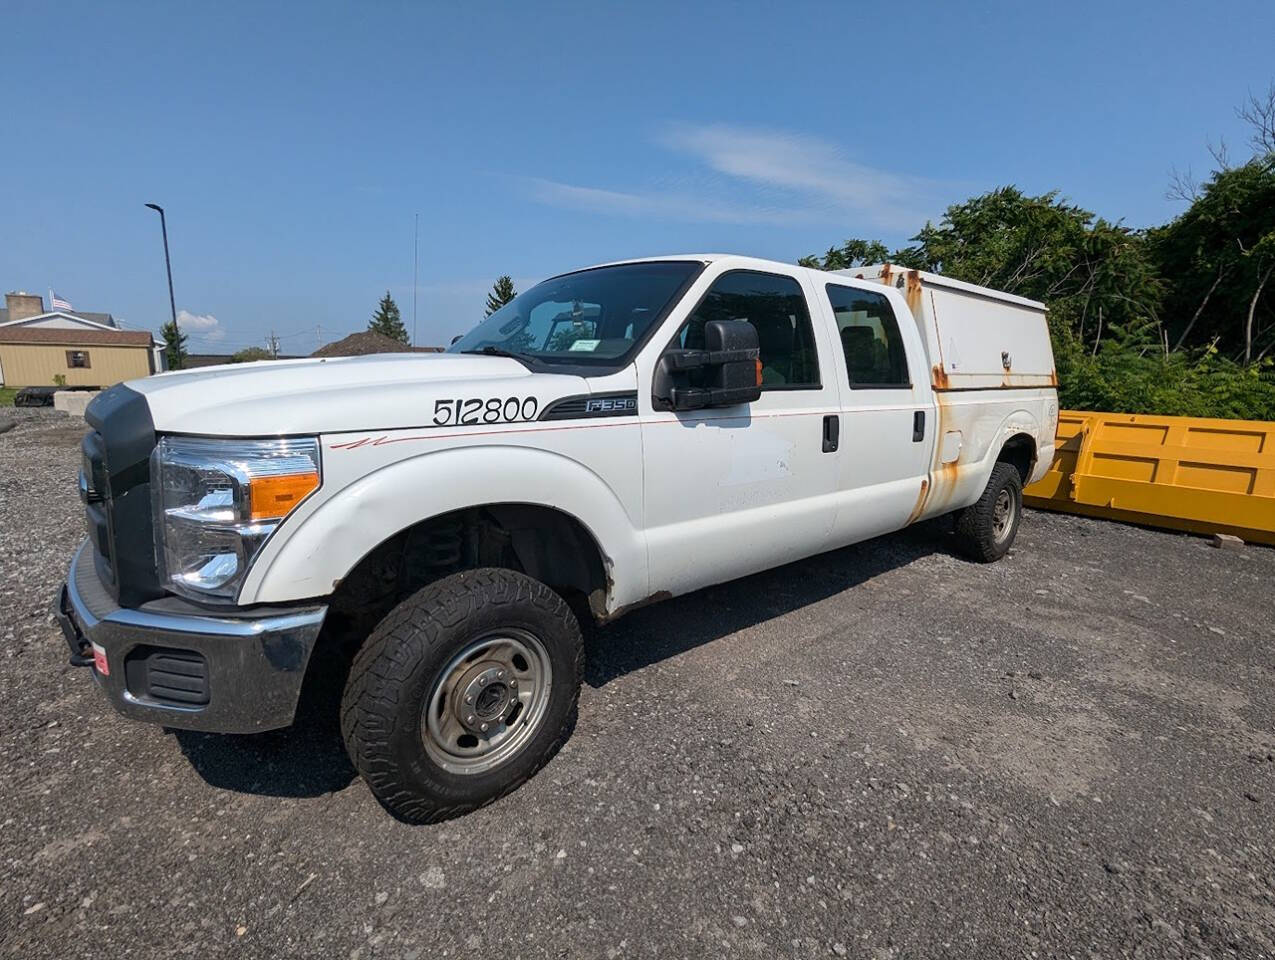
(985, 530)
(462, 693)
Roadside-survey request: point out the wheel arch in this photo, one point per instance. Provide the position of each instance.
(516, 485)
(1020, 451)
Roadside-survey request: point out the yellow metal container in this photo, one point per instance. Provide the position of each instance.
(1184, 473)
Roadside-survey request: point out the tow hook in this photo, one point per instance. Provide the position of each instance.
(81, 651)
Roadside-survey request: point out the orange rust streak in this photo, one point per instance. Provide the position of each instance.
(944, 483)
(920, 502)
(913, 292)
(939, 377)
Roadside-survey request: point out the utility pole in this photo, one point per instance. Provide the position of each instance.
(168, 265)
(416, 242)
(272, 343)
(318, 335)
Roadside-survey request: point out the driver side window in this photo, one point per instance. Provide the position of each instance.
(776, 307)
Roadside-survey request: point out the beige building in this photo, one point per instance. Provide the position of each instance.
(37, 348)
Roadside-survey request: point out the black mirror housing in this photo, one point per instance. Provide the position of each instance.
(724, 374)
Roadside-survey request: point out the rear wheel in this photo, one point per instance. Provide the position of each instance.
(462, 693)
(986, 530)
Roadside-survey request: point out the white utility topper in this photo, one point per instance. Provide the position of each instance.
(439, 524)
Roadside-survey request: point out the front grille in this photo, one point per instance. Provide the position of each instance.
(115, 487)
(167, 675)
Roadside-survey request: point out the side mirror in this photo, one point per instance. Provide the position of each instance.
(456, 339)
(724, 374)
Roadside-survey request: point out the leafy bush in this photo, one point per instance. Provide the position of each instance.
(249, 354)
(1129, 378)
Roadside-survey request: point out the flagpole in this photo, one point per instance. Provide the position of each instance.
(416, 240)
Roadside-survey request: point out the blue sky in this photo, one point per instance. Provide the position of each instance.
(291, 145)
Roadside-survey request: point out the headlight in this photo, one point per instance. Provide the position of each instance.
(216, 502)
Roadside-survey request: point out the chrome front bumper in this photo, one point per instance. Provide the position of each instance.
(168, 663)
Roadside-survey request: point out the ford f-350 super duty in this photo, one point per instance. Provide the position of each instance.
(612, 436)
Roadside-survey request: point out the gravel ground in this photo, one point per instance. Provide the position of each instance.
(879, 752)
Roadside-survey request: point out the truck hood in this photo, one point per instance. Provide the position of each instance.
(338, 394)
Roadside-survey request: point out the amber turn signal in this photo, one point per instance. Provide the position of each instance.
(274, 496)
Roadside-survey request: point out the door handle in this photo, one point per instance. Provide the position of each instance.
(831, 432)
(918, 426)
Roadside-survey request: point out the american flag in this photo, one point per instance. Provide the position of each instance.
(57, 303)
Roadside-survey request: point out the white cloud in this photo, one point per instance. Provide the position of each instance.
(201, 326)
(806, 165)
(664, 205)
(750, 175)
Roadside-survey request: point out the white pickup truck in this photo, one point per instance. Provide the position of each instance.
(611, 437)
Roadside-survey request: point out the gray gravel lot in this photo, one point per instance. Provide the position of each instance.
(883, 751)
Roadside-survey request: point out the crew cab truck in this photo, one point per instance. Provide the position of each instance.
(611, 437)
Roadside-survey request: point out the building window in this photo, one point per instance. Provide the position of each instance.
(78, 359)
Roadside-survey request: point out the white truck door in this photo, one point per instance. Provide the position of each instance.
(887, 431)
(734, 490)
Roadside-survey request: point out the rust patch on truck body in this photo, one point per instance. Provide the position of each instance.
(937, 491)
(912, 292)
(920, 503)
(944, 476)
(656, 597)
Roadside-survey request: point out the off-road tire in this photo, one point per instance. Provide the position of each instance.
(976, 527)
(402, 660)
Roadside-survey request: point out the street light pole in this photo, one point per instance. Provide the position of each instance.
(163, 225)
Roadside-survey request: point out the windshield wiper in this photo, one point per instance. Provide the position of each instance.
(526, 359)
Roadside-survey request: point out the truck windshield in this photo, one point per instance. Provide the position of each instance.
(591, 317)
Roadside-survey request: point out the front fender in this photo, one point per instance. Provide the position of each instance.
(316, 548)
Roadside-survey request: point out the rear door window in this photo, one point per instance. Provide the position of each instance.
(870, 338)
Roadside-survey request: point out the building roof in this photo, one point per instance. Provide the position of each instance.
(194, 361)
(105, 319)
(76, 338)
(102, 318)
(365, 343)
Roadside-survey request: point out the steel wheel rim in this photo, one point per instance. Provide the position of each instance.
(1003, 515)
(465, 698)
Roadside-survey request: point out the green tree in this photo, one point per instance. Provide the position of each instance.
(249, 354)
(502, 292)
(1094, 274)
(386, 320)
(175, 340)
(1219, 255)
(852, 253)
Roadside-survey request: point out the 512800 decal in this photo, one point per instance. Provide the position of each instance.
(462, 412)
